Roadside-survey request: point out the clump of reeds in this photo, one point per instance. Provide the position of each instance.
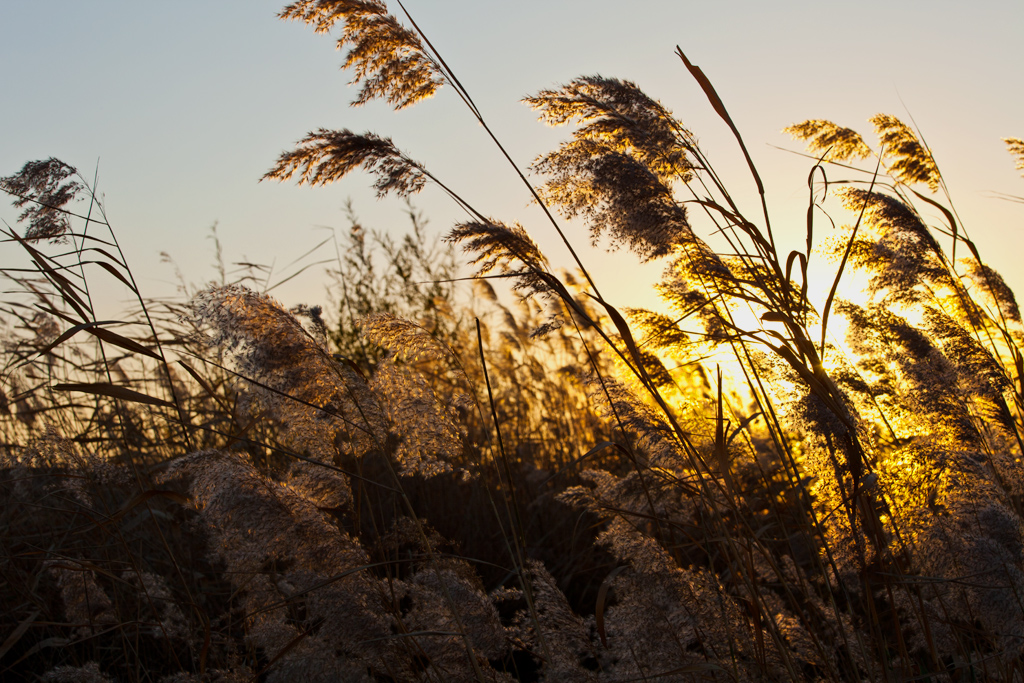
(419, 489)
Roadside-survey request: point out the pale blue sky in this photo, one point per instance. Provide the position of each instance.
(186, 104)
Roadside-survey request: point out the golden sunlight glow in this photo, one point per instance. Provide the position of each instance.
(768, 483)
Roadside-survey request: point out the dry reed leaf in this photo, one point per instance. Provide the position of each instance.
(114, 391)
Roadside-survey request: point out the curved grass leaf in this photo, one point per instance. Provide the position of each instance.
(114, 391)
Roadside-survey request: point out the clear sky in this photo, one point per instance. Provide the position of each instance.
(185, 105)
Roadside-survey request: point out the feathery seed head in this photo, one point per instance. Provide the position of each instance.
(326, 156)
(427, 432)
(914, 163)
(903, 253)
(617, 194)
(623, 118)
(89, 673)
(618, 169)
(388, 59)
(509, 249)
(403, 338)
(323, 14)
(990, 285)
(45, 187)
(1016, 147)
(85, 601)
(286, 371)
(660, 331)
(841, 143)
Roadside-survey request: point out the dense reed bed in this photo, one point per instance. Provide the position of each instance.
(765, 483)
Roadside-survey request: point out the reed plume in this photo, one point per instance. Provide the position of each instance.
(44, 187)
(913, 163)
(388, 59)
(836, 142)
(1016, 148)
(326, 156)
